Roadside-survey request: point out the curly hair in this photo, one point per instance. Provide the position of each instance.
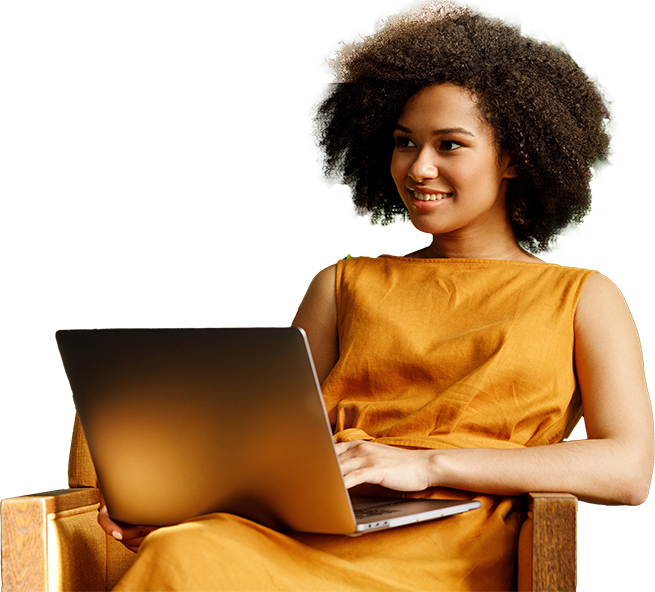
(545, 113)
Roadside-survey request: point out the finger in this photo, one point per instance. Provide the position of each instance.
(355, 477)
(348, 463)
(349, 444)
(121, 532)
(108, 525)
(343, 448)
(135, 543)
(353, 470)
(135, 532)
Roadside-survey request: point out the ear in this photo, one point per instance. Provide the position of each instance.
(511, 173)
(508, 169)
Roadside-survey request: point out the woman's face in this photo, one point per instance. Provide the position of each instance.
(446, 164)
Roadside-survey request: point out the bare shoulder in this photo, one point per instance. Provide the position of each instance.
(604, 324)
(326, 279)
(599, 285)
(601, 301)
(322, 290)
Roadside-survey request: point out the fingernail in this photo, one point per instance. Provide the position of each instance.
(117, 535)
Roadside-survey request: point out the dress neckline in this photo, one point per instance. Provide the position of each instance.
(463, 260)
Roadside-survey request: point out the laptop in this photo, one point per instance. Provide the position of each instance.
(184, 422)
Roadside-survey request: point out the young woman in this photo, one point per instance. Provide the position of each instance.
(456, 370)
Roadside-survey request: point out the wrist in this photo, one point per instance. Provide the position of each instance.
(436, 468)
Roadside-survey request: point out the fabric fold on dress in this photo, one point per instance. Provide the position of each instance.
(455, 352)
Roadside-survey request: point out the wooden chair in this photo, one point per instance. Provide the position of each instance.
(51, 541)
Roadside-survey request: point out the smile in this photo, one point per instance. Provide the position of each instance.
(430, 196)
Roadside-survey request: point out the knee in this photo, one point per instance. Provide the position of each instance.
(198, 537)
(170, 543)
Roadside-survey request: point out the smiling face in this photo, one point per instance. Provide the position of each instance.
(446, 165)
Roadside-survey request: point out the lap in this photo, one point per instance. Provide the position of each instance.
(473, 551)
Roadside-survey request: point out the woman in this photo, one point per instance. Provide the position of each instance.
(460, 367)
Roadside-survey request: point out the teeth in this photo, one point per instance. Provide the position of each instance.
(430, 196)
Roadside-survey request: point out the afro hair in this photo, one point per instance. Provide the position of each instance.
(545, 113)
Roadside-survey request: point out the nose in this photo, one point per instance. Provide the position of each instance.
(424, 167)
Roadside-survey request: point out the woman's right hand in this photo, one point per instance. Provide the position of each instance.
(131, 536)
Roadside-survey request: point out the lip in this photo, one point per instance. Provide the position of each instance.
(426, 190)
(427, 205)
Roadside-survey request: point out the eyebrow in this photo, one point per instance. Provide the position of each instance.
(441, 132)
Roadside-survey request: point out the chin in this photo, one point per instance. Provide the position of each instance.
(427, 226)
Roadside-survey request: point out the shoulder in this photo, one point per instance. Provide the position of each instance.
(598, 284)
(607, 347)
(350, 260)
(572, 278)
(604, 327)
(351, 268)
(600, 299)
(325, 280)
(324, 285)
(321, 293)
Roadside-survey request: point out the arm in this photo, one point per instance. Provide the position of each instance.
(613, 466)
(317, 315)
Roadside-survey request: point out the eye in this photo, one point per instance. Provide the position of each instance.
(403, 142)
(449, 145)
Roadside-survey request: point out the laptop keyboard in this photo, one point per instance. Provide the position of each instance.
(367, 513)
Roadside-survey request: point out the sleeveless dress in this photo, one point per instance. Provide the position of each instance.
(433, 353)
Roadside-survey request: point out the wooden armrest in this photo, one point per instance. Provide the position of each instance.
(547, 546)
(44, 537)
(59, 499)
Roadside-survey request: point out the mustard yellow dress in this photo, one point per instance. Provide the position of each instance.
(433, 353)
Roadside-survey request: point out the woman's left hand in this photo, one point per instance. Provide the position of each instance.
(388, 466)
(131, 536)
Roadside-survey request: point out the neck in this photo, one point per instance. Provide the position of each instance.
(455, 245)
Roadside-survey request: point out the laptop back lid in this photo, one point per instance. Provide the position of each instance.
(183, 422)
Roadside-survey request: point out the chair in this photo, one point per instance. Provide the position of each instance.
(51, 541)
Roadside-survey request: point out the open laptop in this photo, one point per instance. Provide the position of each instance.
(183, 422)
